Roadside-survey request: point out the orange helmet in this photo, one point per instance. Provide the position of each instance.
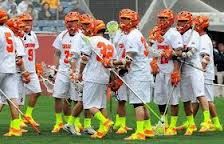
(201, 22)
(184, 16)
(132, 16)
(17, 26)
(99, 25)
(71, 17)
(3, 16)
(169, 18)
(28, 21)
(156, 34)
(87, 23)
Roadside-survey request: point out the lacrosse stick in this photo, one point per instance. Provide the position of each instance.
(86, 39)
(48, 84)
(112, 28)
(190, 64)
(23, 115)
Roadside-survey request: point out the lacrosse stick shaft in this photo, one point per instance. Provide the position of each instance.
(34, 127)
(147, 106)
(190, 64)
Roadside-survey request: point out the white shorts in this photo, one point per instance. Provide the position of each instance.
(122, 93)
(34, 85)
(21, 88)
(209, 90)
(9, 86)
(94, 95)
(192, 86)
(64, 88)
(164, 89)
(143, 91)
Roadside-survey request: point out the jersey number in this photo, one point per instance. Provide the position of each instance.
(30, 54)
(67, 56)
(106, 51)
(9, 48)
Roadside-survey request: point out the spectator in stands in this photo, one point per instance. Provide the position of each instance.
(7, 4)
(32, 11)
(23, 5)
(53, 4)
(219, 62)
(13, 11)
(45, 13)
(61, 13)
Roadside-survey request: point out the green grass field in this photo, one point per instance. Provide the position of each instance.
(44, 114)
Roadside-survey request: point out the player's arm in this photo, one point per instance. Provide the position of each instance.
(57, 55)
(84, 60)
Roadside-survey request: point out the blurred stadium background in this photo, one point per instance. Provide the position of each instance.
(48, 19)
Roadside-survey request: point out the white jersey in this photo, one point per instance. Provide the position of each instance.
(7, 51)
(118, 41)
(67, 45)
(20, 50)
(30, 42)
(139, 69)
(206, 47)
(191, 39)
(172, 39)
(94, 70)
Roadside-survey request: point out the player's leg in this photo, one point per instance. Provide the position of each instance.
(33, 91)
(67, 108)
(209, 93)
(60, 92)
(94, 99)
(143, 123)
(10, 88)
(186, 97)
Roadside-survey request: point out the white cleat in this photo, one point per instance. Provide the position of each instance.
(89, 131)
(71, 130)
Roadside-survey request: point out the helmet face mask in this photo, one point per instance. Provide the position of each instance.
(3, 16)
(128, 19)
(72, 22)
(87, 24)
(184, 21)
(165, 18)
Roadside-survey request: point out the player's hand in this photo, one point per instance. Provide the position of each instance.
(175, 77)
(26, 77)
(205, 61)
(80, 77)
(167, 53)
(154, 66)
(73, 77)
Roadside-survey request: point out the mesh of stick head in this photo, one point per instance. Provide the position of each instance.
(112, 26)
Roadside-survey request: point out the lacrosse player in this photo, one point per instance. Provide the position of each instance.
(86, 23)
(97, 55)
(192, 80)
(8, 84)
(117, 37)
(66, 42)
(167, 71)
(17, 26)
(31, 44)
(139, 76)
(206, 52)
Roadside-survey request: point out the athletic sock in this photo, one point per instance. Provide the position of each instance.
(71, 120)
(66, 118)
(87, 122)
(58, 118)
(117, 121)
(123, 122)
(77, 121)
(29, 111)
(190, 120)
(140, 126)
(173, 121)
(147, 124)
(16, 124)
(216, 121)
(206, 115)
(99, 116)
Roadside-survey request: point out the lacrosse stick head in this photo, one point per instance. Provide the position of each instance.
(112, 28)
